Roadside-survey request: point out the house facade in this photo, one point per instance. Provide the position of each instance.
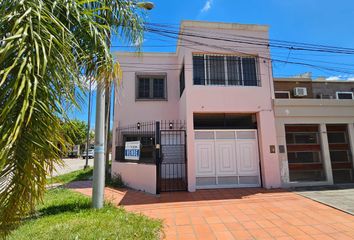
(315, 133)
(207, 116)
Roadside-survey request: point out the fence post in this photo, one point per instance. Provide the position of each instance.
(158, 157)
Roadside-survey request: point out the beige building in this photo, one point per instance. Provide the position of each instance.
(315, 131)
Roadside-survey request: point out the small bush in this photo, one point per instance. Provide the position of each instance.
(115, 181)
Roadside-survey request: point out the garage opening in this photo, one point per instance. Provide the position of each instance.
(304, 153)
(340, 153)
(225, 121)
(226, 151)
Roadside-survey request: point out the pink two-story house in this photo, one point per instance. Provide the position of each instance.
(203, 114)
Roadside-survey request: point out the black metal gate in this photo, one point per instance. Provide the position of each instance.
(171, 156)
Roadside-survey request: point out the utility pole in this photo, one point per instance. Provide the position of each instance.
(88, 125)
(99, 162)
(99, 168)
(108, 90)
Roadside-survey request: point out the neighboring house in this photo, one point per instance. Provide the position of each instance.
(206, 116)
(315, 130)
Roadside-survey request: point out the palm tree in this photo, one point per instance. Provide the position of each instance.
(45, 46)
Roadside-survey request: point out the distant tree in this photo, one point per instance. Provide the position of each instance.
(92, 136)
(75, 132)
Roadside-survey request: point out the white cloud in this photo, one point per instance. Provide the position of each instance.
(333, 78)
(340, 77)
(207, 6)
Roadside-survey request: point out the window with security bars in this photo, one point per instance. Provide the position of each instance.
(151, 88)
(181, 81)
(225, 70)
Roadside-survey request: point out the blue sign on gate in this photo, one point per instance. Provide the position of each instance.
(132, 150)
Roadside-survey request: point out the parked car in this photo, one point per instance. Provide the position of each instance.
(91, 153)
(75, 151)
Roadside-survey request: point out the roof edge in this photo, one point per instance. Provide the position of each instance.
(144, 54)
(223, 25)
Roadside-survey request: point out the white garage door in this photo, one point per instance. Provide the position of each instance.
(226, 158)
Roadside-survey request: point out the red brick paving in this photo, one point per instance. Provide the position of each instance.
(240, 214)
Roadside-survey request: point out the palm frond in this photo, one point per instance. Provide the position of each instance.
(44, 48)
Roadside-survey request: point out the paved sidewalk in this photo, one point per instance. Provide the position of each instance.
(340, 197)
(70, 165)
(235, 214)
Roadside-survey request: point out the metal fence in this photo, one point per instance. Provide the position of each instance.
(163, 143)
(145, 133)
(172, 168)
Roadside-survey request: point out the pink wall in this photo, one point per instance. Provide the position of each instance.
(231, 99)
(211, 99)
(138, 176)
(128, 109)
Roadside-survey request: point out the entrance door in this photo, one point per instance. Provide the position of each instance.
(226, 158)
(172, 168)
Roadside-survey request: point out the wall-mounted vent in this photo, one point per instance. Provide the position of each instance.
(300, 92)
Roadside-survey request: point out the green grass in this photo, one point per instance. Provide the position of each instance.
(65, 214)
(78, 175)
(85, 174)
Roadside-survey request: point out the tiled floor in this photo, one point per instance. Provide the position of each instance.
(235, 214)
(338, 196)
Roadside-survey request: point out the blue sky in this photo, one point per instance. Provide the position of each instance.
(325, 22)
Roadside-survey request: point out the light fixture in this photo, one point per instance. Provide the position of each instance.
(170, 125)
(138, 125)
(145, 5)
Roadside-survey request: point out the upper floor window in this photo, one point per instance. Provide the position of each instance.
(181, 81)
(225, 70)
(344, 95)
(282, 94)
(151, 87)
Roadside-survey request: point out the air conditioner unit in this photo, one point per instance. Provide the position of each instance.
(300, 92)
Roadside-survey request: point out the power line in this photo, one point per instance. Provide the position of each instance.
(259, 39)
(287, 59)
(256, 43)
(182, 36)
(327, 68)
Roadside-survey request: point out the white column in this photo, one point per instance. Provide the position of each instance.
(326, 158)
(191, 160)
(283, 157)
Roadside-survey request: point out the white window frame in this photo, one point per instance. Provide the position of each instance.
(288, 92)
(337, 93)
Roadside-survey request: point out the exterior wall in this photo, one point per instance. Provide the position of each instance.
(315, 88)
(138, 176)
(199, 99)
(128, 109)
(232, 99)
(288, 84)
(311, 111)
(329, 88)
